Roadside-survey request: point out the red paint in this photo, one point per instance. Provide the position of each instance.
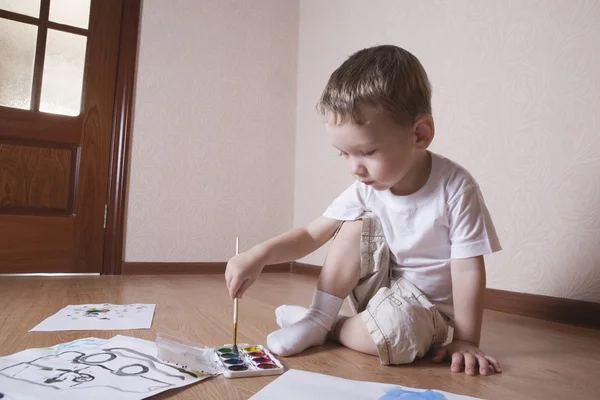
(267, 366)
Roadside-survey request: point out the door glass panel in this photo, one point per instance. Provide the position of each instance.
(62, 81)
(26, 7)
(70, 12)
(17, 55)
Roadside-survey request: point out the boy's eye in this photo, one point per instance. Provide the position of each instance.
(343, 154)
(368, 153)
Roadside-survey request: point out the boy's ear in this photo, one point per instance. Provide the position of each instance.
(424, 131)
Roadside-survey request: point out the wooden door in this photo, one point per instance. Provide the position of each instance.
(58, 64)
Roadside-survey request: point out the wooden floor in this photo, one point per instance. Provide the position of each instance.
(541, 360)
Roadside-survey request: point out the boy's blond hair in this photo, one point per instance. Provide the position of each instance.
(386, 77)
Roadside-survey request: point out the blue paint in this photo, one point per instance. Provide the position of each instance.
(402, 394)
(88, 343)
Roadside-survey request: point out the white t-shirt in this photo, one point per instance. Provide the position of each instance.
(447, 218)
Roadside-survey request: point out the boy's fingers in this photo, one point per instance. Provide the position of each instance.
(233, 288)
(495, 364)
(457, 359)
(243, 288)
(484, 365)
(470, 362)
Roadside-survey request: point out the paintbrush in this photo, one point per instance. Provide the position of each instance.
(235, 306)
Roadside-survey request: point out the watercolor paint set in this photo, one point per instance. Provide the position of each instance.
(251, 360)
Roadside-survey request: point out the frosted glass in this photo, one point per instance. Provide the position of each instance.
(62, 82)
(17, 55)
(70, 12)
(25, 7)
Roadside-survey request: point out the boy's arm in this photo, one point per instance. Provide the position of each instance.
(243, 269)
(298, 242)
(468, 287)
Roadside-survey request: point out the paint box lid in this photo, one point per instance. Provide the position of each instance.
(188, 355)
(213, 361)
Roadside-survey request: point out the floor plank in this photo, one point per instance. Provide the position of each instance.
(540, 359)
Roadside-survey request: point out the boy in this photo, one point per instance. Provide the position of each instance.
(409, 235)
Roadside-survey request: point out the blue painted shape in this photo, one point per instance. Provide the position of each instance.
(403, 394)
(88, 343)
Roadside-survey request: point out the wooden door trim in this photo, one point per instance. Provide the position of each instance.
(39, 128)
(121, 138)
(40, 55)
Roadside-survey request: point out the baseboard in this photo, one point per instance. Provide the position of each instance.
(557, 309)
(184, 268)
(305, 269)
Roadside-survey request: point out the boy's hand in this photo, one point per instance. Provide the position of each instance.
(241, 272)
(467, 355)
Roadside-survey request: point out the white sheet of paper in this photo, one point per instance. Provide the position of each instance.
(121, 368)
(301, 385)
(99, 317)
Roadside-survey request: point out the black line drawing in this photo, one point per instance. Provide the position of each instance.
(119, 368)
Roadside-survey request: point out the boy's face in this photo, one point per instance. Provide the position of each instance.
(380, 153)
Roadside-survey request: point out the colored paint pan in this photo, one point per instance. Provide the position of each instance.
(237, 368)
(260, 360)
(227, 356)
(257, 354)
(233, 361)
(267, 366)
(252, 349)
(225, 350)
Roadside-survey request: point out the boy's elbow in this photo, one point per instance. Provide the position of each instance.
(322, 230)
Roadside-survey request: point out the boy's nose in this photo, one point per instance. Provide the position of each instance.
(359, 170)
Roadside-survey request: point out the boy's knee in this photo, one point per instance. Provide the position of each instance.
(346, 244)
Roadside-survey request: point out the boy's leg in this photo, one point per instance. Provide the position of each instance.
(353, 333)
(339, 275)
(341, 269)
(349, 331)
(402, 323)
(395, 321)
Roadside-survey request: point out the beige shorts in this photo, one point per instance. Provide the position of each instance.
(403, 323)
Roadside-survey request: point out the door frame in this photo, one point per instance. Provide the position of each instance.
(122, 125)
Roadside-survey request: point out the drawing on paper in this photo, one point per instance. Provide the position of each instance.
(126, 368)
(298, 385)
(106, 311)
(405, 394)
(99, 317)
(77, 369)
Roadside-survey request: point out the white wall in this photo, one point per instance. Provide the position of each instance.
(516, 99)
(219, 123)
(213, 137)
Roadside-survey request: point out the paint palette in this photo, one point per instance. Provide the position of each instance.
(251, 360)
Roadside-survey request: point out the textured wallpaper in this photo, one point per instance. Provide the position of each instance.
(214, 130)
(516, 98)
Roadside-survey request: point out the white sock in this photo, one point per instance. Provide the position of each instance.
(287, 315)
(310, 330)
